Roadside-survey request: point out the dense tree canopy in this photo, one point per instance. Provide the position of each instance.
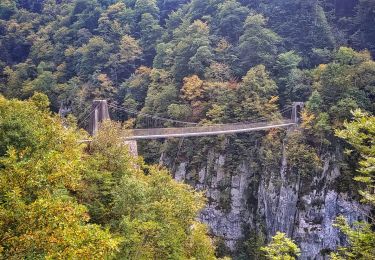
(59, 200)
(39, 167)
(207, 62)
(360, 134)
(281, 248)
(58, 42)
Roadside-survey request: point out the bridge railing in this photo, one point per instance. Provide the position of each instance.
(155, 133)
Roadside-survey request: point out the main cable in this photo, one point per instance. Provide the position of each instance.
(134, 112)
(131, 111)
(84, 120)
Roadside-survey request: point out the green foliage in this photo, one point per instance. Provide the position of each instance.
(161, 94)
(258, 44)
(253, 97)
(51, 189)
(364, 36)
(135, 89)
(200, 245)
(155, 217)
(153, 214)
(281, 248)
(361, 238)
(302, 24)
(340, 86)
(288, 61)
(51, 228)
(217, 38)
(92, 56)
(85, 14)
(302, 158)
(107, 162)
(179, 112)
(41, 101)
(40, 164)
(293, 83)
(214, 61)
(231, 17)
(360, 134)
(256, 95)
(150, 34)
(251, 248)
(44, 83)
(189, 51)
(116, 21)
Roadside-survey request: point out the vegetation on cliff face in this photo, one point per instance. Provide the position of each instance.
(360, 134)
(281, 248)
(214, 61)
(62, 199)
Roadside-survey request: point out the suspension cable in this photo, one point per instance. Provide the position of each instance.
(87, 117)
(131, 111)
(134, 112)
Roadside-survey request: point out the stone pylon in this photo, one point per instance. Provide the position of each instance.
(296, 111)
(99, 114)
(133, 147)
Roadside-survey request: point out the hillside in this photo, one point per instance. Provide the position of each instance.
(202, 62)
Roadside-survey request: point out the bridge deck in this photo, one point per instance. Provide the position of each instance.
(158, 133)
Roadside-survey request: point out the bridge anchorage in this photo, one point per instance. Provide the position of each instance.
(100, 113)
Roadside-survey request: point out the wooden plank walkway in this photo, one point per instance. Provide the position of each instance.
(159, 133)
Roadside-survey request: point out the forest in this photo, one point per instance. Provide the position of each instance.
(200, 61)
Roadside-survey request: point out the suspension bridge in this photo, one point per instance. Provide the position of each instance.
(100, 113)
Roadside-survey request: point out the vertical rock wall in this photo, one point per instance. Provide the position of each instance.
(274, 202)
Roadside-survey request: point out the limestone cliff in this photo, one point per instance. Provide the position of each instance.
(246, 199)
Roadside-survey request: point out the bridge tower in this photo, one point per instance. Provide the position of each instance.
(296, 111)
(100, 113)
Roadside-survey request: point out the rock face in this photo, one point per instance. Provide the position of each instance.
(277, 202)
